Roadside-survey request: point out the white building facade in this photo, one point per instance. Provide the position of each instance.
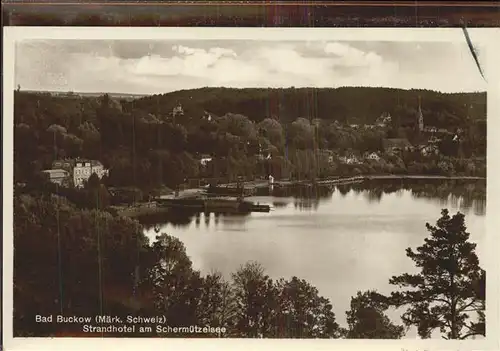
(84, 169)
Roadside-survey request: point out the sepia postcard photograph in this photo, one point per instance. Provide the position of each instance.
(250, 183)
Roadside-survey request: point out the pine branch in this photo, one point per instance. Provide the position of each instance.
(464, 308)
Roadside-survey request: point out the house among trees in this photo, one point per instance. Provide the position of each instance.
(177, 111)
(434, 140)
(205, 159)
(384, 120)
(207, 116)
(372, 156)
(264, 153)
(265, 156)
(396, 145)
(428, 150)
(57, 176)
(349, 159)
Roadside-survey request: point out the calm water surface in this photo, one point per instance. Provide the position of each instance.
(340, 240)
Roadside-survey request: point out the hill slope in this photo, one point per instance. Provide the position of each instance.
(348, 104)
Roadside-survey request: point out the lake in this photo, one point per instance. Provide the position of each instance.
(341, 239)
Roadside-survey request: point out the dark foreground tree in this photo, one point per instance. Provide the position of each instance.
(367, 320)
(255, 300)
(279, 309)
(449, 291)
(302, 312)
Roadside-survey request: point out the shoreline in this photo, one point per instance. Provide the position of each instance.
(147, 208)
(424, 177)
(340, 180)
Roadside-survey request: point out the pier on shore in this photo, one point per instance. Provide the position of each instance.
(213, 205)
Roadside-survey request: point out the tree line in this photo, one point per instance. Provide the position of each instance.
(249, 133)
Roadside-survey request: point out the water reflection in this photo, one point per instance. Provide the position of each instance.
(181, 218)
(464, 195)
(316, 232)
(279, 204)
(306, 204)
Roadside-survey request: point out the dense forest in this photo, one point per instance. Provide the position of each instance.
(361, 105)
(146, 145)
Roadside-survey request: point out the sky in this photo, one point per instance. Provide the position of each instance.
(156, 67)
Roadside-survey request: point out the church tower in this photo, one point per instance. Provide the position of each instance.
(420, 117)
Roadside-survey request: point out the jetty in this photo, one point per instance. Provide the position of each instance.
(218, 205)
(236, 191)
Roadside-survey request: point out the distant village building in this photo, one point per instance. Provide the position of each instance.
(384, 120)
(349, 159)
(433, 140)
(264, 156)
(396, 145)
(208, 116)
(178, 111)
(57, 176)
(428, 150)
(373, 156)
(205, 159)
(264, 153)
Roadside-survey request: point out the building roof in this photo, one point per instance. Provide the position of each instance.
(63, 161)
(93, 163)
(396, 142)
(55, 171)
(72, 162)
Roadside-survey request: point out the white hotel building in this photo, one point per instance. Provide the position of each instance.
(81, 170)
(84, 169)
